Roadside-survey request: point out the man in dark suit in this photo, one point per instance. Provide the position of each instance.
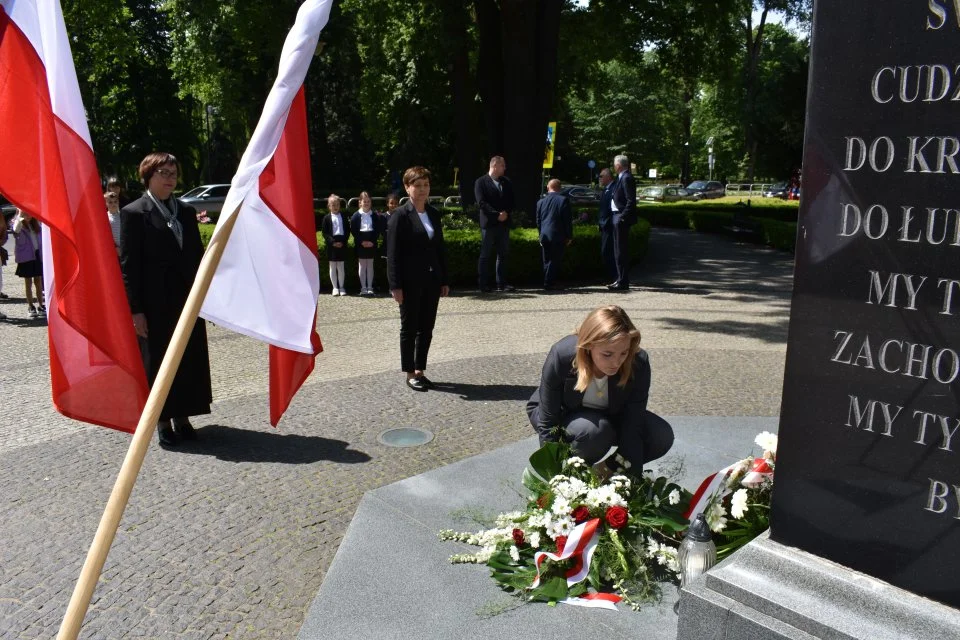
(624, 208)
(494, 195)
(555, 225)
(606, 224)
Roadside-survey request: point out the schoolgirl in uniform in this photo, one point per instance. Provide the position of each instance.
(336, 230)
(366, 227)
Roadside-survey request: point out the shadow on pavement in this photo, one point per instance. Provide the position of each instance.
(774, 334)
(515, 392)
(242, 445)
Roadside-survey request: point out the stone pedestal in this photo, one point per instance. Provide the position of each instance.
(771, 591)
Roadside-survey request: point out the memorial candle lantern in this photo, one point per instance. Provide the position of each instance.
(697, 553)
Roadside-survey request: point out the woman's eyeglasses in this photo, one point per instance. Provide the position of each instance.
(166, 173)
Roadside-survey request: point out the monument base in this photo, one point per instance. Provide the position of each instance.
(767, 590)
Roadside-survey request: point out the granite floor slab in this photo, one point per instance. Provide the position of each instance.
(391, 577)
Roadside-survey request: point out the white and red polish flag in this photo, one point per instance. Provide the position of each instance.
(267, 283)
(47, 168)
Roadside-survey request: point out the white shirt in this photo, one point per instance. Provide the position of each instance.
(425, 219)
(115, 228)
(613, 205)
(596, 396)
(337, 223)
(366, 220)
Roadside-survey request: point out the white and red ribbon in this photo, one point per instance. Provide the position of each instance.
(581, 543)
(759, 471)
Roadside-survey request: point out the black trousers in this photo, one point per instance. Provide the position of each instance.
(591, 433)
(418, 314)
(606, 251)
(621, 251)
(552, 253)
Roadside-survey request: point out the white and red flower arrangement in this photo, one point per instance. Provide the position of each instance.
(592, 542)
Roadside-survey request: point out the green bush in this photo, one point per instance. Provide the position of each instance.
(581, 261)
(710, 221)
(778, 234)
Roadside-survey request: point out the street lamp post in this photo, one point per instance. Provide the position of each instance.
(210, 110)
(710, 157)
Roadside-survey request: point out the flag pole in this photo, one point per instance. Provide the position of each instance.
(110, 521)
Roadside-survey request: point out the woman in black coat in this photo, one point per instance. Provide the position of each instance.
(160, 252)
(593, 393)
(417, 273)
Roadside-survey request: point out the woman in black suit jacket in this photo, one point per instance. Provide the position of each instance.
(593, 392)
(160, 252)
(417, 273)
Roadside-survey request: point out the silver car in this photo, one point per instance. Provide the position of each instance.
(208, 197)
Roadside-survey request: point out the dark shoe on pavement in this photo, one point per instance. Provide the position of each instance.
(416, 384)
(3, 296)
(165, 434)
(613, 285)
(425, 381)
(506, 287)
(184, 429)
(485, 289)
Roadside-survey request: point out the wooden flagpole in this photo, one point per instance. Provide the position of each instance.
(110, 521)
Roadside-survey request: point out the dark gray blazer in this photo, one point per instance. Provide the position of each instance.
(556, 397)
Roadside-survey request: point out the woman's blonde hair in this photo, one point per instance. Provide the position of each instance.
(604, 324)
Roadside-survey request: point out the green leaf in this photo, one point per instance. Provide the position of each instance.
(533, 483)
(553, 589)
(547, 461)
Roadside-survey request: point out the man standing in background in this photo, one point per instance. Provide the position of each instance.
(494, 195)
(555, 226)
(624, 206)
(605, 220)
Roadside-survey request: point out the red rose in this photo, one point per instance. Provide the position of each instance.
(518, 537)
(581, 514)
(616, 517)
(561, 542)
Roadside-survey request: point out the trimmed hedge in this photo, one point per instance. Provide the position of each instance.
(581, 261)
(776, 233)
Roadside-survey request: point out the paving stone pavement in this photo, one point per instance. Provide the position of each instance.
(230, 537)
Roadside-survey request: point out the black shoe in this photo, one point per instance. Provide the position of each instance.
(3, 296)
(623, 286)
(166, 435)
(613, 285)
(485, 290)
(183, 428)
(416, 384)
(425, 381)
(506, 287)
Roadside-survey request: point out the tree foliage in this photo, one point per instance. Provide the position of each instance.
(448, 84)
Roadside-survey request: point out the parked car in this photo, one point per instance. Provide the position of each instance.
(578, 193)
(778, 190)
(664, 194)
(208, 197)
(702, 189)
(8, 209)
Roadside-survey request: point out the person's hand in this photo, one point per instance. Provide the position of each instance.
(444, 290)
(338, 244)
(367, 243)
(397, 295)
(140, 324)
(502, 216)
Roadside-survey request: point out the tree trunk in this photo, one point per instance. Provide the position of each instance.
(530, 39)
(490, 73)
(464, 110)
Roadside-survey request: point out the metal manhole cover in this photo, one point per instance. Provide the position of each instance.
(405, 437)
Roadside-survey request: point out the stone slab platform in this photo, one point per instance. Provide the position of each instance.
(391, 577)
